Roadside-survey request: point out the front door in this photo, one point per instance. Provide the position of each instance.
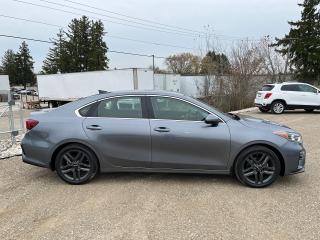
(119, 131)
(182, 140)
(310, 95)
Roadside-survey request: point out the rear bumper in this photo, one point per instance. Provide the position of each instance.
(35, 152)
(262, 103)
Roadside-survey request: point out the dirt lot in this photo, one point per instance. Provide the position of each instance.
(35, 204)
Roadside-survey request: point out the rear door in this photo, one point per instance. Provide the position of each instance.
(119, 129)
(182, 140)
(292, 94)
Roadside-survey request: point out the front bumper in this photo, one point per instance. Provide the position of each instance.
(294, 158)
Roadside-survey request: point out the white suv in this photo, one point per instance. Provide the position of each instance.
(287, 96)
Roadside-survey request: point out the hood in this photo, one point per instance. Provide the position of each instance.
(263, 124)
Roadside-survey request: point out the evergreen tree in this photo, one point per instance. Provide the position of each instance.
(58, 59)
(8, 66)
(81, 48)
(302, 44)
(24, 66)
(98, 48)
(214, 63)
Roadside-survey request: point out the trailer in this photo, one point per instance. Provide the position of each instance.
(57, 89)
(4, 88)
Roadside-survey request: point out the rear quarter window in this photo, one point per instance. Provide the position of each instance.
(267, 88)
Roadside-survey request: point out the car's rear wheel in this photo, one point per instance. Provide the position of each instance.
(278, 107)
(309, 110)
(264, 109)
(257, 167)
(76, 164)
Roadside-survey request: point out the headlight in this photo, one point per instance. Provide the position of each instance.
(293, 137)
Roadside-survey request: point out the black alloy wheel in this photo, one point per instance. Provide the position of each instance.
(76, 164)
(257, 167)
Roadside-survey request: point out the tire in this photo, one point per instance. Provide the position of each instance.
(76, 164)
(309, 110)
(264, 109)
(257, 167)
(278, 107)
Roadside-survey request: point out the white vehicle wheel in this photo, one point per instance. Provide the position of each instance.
(278, 107)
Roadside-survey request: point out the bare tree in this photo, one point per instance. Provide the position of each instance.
(184, 63)
(246, 64)
(274, 63)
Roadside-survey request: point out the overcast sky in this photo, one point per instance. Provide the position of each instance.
(230, 18)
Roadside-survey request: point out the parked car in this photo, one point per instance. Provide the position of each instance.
(149, 131)
(288, 96)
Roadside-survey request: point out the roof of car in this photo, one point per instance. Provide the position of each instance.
(142, 92)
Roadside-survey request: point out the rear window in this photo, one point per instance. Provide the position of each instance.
(119, 107)
(267, 88)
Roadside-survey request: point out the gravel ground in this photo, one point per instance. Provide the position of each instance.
(35, 204)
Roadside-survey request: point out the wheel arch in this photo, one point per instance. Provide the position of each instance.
(279, 100)
(267, 145)
(66, 143)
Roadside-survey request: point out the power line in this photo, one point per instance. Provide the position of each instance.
(111, 36)
(117, 18)
(147, 42)
(48, 41)
(29, 20)
(109, 21)
(127, 16)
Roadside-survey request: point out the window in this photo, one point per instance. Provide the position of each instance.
(174, 109)
(307, 88)
(291, 88)
(121, 107)
(267, 88)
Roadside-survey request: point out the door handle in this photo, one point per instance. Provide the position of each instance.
(94, 127)
(161, 129)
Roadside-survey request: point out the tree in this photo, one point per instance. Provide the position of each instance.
(24, 66)
(302, 43)
(8, 66)
(58, 59)
(184, 63)
(81, 48)
(274, 63)
(98, 48)
(213, 63)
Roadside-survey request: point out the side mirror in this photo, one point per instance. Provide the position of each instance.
(212, 119)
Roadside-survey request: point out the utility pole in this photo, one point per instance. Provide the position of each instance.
(153, 70)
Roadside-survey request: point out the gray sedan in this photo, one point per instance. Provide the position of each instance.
(149, 131)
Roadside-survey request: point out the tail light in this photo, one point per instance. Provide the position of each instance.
(31, 123)
(267, 95)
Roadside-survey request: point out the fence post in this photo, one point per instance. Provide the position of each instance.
(11, 124)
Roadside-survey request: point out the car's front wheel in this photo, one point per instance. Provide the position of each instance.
(257, 167)
(309, 110)
(278, 107)
(76, 164)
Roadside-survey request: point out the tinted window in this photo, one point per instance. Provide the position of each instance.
(267, 88)
(122, 107)
(174, 109)
(291, 87)
(307, 88)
